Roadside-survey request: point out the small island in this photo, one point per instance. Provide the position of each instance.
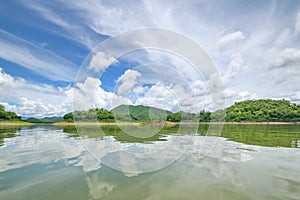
(249, 111)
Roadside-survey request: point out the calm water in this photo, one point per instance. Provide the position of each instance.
(244, 162)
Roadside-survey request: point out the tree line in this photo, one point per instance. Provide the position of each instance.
(8, 116)
(265, 110)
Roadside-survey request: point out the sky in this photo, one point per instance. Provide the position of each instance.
(49, 57)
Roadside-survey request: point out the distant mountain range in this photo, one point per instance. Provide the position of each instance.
(140, 112)
(264, 110)
(45, 120)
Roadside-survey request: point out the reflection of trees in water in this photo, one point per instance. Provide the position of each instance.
(84, 131)
(98, 132)
(8, 132)
(255, 134)
(279, 135)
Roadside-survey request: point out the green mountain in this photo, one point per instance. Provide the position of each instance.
(264, 110)
(100, 114)
(10, 116)
(140, 113)
(45, 120)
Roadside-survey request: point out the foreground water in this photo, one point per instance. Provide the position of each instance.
(245, 162)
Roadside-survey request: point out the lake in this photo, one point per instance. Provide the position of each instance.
(244, 162)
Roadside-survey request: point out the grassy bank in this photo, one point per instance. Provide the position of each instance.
(250, 122)
(111, 123)
(165, 124)
(15, 123)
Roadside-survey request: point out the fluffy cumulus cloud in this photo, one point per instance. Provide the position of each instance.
(39, 100)
(126, 82)
(288, 57)
(159, 96)
(230, 40)
(37, 108)
(297, 22)
(89, 94)
(32, 99)
(100, 61)
(293, 96)
(233, 41)
(233, 96)
(235, 66)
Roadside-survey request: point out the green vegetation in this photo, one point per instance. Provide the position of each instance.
(140, 113)
(8, 132)
(283, 135)
(249, 111)
(271, 135)
(45, 120)
(90, 115)
(263, 111)
(182, 116)
(245, 111)
(121, 113)
(8, 116)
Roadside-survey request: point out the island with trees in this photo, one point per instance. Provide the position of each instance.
(264, 110)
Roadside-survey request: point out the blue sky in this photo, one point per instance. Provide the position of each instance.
(254, 45)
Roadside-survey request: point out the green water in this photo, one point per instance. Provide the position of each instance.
(243, 162)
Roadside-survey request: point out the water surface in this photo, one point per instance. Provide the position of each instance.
(247, 162)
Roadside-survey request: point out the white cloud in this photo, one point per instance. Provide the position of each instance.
(100, 62)
(89, 94)
(35, 58)
(110, 18)
(263, 44)
(39, 100)
(233, 96)
(297, 22)
(235, 66)
(293, 96)
(127, 81)
(159, 96)
(36, 108)
(172, 97)
(230, 40)
(199, 88)
(31, 99)
(283, 37)
(288, 57)
(72, 31)
(12, 88)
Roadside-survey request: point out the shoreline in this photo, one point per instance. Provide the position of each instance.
(250, 123)
(15, 123)
(165, 123)
(111, 123)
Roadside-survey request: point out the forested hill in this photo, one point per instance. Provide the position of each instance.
(122, 112)
(44, 120)
(8, 116)
(263, 111)
(140, 113)
(246, 111)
